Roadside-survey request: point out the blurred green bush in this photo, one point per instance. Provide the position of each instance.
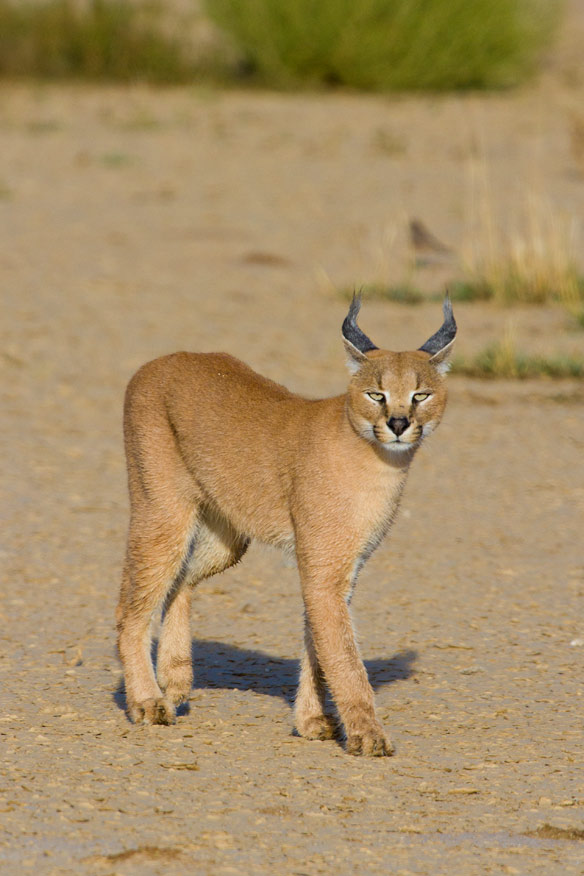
(388, 44)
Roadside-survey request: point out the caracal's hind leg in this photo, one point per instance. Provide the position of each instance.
(157, 544)
(309, 715)
(164, 507)
(174, 665)
(215, 546)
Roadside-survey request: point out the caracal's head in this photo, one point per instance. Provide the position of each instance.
(396, 399)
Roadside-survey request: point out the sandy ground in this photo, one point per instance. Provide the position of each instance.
(136, 223)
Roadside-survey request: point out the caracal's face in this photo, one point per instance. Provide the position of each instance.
(396, 399)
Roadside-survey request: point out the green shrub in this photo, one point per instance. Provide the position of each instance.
(100, 39)
(388, 44)
(511, 288)
(501, 360)
(404, 294)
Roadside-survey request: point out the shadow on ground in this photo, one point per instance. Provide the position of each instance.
(218, 665)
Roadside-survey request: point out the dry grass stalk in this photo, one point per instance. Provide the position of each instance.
(534, 263)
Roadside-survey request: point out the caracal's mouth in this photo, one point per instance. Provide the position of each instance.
(399, 445)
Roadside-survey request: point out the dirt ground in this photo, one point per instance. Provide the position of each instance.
(136, 223)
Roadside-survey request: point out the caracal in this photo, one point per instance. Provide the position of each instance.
(218, 455)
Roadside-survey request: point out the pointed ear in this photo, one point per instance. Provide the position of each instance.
(356, 342)
(439, 346)
(441, 359)
(355, 358)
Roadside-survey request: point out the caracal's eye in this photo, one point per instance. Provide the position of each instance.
(421, 396)
(376, 396)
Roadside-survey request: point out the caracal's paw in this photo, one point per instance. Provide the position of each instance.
(317, 727)
(176, 681)
(176, 690)
(153, 711)
(178, 694)
(370, 741)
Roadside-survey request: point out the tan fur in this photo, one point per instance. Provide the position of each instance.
(218, 455)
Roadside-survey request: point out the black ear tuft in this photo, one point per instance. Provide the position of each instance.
(351, 331)
(445, 334)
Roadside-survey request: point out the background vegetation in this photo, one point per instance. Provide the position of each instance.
(501, 360)
(388, 44)
(101, 39)
(371, 45)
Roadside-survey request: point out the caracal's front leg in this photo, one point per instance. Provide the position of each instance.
(336, 649)
(310, 718)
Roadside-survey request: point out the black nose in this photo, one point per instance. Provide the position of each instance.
(398, 425)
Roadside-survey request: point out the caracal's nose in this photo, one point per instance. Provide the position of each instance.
(398, 425)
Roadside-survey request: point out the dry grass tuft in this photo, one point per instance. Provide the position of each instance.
(532, 261)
